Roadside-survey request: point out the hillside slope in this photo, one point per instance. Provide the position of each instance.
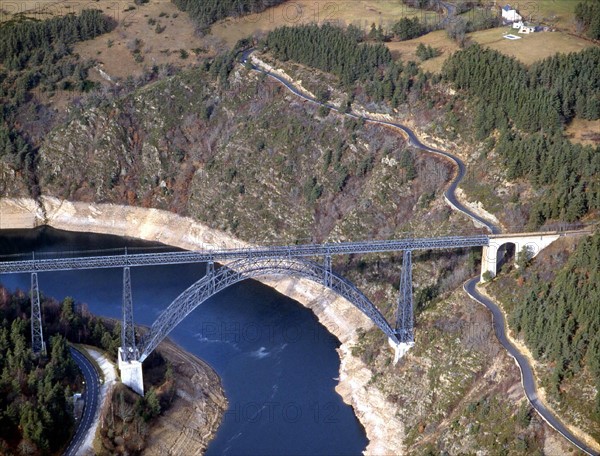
(189, 145)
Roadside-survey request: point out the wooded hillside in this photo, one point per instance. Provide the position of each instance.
(35, 408)
(529, 106)
(39, 55)
(207, 12)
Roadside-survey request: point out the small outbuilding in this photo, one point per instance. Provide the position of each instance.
(527, 28)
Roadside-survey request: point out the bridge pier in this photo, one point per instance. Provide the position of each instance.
(404, 311)
(400, 349)
(327, 279)
(405, 330)
(127, 326)
(38, 346)
(129, 364)
(131, 373)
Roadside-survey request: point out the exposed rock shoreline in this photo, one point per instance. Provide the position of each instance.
(192, 420)
(384, 430)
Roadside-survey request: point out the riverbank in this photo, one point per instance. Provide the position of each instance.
(192, 420)
(188, 425)
(384, 431)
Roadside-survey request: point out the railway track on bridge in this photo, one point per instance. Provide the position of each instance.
(224, 255)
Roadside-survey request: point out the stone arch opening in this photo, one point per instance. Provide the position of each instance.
(506, 256)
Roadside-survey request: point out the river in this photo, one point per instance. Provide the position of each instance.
(278, 364)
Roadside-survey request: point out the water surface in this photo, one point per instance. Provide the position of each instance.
(278, 364)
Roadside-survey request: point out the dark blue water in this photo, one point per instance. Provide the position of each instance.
(278, 364)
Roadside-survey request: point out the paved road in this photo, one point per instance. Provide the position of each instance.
(527, 377)
(450, 12)
(413, 140)
(528, 380)
(91, 397)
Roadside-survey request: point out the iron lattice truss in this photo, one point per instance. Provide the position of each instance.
(219, 279)
(37, 336)
(257, 253)
(404, 311)
(243, 263)
(127, 326)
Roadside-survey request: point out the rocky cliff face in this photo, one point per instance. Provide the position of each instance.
(250, 159)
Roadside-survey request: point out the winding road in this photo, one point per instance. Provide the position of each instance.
(527, 375)
(91, 398)
(413, 140)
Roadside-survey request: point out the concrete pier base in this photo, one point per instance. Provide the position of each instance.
(400, 349)
(131, 374)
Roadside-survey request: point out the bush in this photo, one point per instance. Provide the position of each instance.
(323, 111)
(426, 52)
(407, 28)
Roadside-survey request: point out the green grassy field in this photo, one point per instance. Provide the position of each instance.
(361, 13)
(530, 48)
(560, 13)
(406, 50)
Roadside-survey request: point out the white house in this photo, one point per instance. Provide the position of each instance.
(510, 15)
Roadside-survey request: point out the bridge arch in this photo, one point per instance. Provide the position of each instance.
(506, 253)
(237, 271)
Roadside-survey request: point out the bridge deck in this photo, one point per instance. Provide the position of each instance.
(580, 232)
(223, 255)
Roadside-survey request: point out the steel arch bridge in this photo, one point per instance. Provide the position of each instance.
(298, 260)
(309, 261)
(217, 280)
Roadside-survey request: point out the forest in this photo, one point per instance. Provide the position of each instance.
(408, 28)
(207, 12)
(329, 48)
(564, 174)
(560, 319)
(587, 14)
(543, 97)
(344, 53)
(22, 41)
(35, 407)
(529, 107)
